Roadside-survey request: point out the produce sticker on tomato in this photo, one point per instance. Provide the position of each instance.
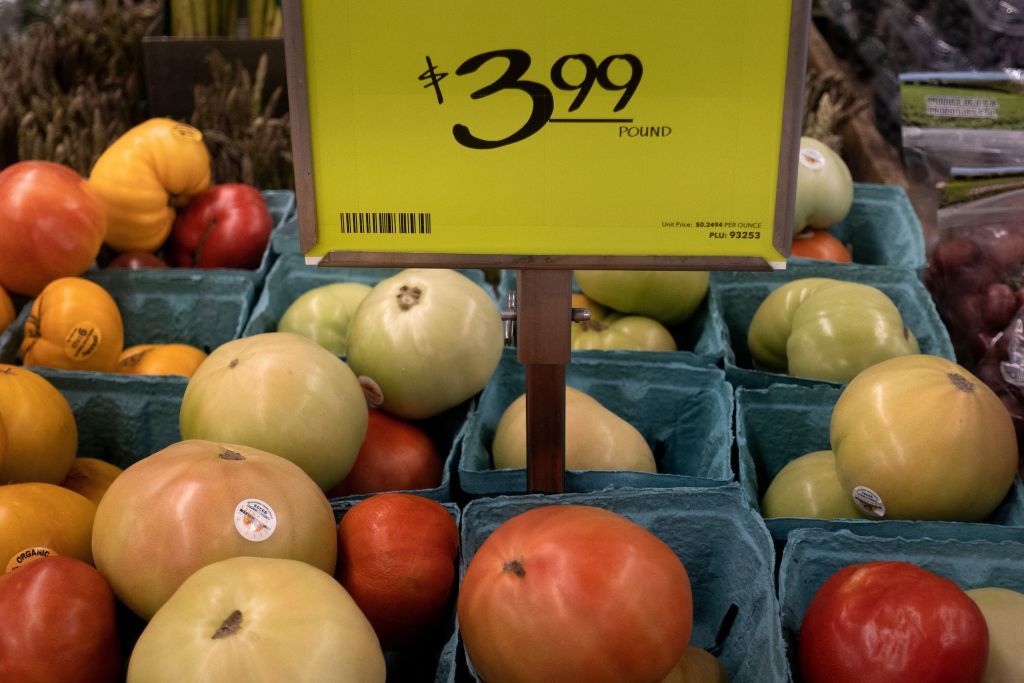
(571, 128)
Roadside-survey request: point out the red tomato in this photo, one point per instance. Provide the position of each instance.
(227, 226)
(58, 624)
(395, 456)
(396, 558)
(819, 244)
(892, 621)
(568, 593)
(136, 260)
(51, 225)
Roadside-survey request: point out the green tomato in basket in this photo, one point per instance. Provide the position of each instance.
(668, 296)
(808, 486)
(595, 437)
(607, 330)
(820, 328)
(324, 314)
(424, 341)
(824, 187)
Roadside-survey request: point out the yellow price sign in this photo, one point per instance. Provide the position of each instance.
(578, 133)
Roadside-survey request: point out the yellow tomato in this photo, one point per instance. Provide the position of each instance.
(37, 520)
(160, 359)
(6, 310)
(91, 477)
(42, 436)
(919, 437)
(75, 325)
(153, 166)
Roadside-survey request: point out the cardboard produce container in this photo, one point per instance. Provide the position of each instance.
(737, 297)
(701, 340)
(684, 413)
(723, 545)
(290, 278)
(881, 229)
(184, 306)
(779, 424)
(121, 418)
(281, 204)
(814, 555)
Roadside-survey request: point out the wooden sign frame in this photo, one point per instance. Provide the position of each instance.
(295, 52)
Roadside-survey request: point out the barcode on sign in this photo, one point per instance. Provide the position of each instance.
(385, 223)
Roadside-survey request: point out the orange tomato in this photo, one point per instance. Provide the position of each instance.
(42, 436)
(75, 325)
(91, 477)
(160, 359)
(821, 245)
(6, 310)
(37, 520)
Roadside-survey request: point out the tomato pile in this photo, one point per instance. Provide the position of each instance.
(289, 533)
(149, 191)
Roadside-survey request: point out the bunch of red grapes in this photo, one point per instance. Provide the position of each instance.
(976, 278)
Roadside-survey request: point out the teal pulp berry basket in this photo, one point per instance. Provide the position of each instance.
(684, 413)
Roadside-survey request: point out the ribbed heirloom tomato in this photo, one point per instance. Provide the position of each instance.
(75, 325)
(570, 593)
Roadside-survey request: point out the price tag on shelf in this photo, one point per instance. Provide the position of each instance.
(578, 129)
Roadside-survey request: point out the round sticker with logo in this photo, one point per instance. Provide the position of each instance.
(372, 391)
(82, 341)
(812, 159)
(255, 520)
(187, 133)
(868, 501)
(27, 556)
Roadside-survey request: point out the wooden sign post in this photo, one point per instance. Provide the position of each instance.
(546, 137)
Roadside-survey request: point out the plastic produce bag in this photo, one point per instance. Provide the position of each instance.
(1002, 369)
(975, 275)
(883, 38)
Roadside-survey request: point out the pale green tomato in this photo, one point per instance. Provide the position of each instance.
(1004, 614)
(258, 620)
(283, 394)
(614, 331)
(832, 330)
(919, 437)
(324, 314)
(183, 508)
(773, 322)
(824, 187)
(595, 437)
(668, 296)
(808, 486)
(425, 340)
